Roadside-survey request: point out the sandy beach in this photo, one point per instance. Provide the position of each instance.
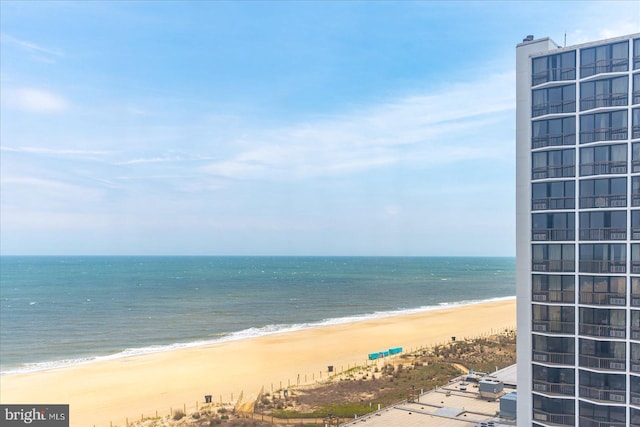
(110, 392)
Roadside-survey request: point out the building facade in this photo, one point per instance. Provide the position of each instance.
(578, 232)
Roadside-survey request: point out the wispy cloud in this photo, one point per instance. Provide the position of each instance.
(34, 100)
(434, 128)
(38, 52)
(55, 151)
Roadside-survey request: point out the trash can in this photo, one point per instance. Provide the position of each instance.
(330, 368)
(207, 398)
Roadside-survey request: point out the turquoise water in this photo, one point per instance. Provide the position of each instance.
(58, 311)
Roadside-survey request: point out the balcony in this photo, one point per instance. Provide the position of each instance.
(553, 140)
(592, 422)
(603, 266)
(604, 134)
(559, 107)
(635, 366)
(552, 234)
(634, 398)
(603, 395)
(544, 172)
(635, 300)
(606, 331)
(611, 65)
(554, 358)
(635, 233)
(608, 363)
(553, 203)
(553, 419)
(604, 201)
(553, 327)
(635, 199)
(603, 298)
(635, 267)
(604, 100)
(554, 388)
(635, 131)
(603, 168)
(606, 233)
(553, 296)
(635, 333)
(553, 265)
(553, 74)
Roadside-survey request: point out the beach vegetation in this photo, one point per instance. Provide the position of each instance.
(178, 414)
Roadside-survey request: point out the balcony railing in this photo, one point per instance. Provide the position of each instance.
(635, 164)
(609, 363)
(564, 106)
(554, 419)
(592, 422)
(603, 395)
(635, 233)
(635, 366)
(606, 233)
(553, 140)
(634, 398)
(635, 199)
(603, 134)
(544, 172)
(553, 234)
(554, 327)
(603, 298)
(553, 296)
(603, 266)
(554, 358)
(608, 331)
(635, 267)
(635, 300)
(603, 168)
(635, 131)
(553, 265)
(604, 66)
(635, 333)
(604, 201)
(553, 203)
(604, 100)
(554, 388)
(553, 74)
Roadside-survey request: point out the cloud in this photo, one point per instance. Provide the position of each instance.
(33, 100)
(456, 123)
(37, 51)
(56, 151)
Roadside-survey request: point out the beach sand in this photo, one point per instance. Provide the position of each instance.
(105, 392)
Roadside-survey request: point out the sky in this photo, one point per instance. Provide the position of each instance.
(268, 128)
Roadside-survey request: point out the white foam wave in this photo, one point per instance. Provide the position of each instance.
(240, 335)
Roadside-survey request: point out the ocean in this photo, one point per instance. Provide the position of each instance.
(60, 311)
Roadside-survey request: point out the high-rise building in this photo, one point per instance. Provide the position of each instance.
(578, 232)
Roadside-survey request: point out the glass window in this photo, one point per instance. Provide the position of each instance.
(558, 99)
(553, 132)
(603, 160)
(604, 93)
(636, 54)
(636, 88)
(604, 59)
(603, 126)
(556, 67)
(553, 195)
(603, 193)
(636, 123)
(553, 164)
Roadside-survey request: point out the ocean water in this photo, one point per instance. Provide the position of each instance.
(58, 311)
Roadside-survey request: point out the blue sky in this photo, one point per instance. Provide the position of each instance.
(268, 128)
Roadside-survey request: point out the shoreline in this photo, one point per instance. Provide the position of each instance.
(236, 336)
(112, 391)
